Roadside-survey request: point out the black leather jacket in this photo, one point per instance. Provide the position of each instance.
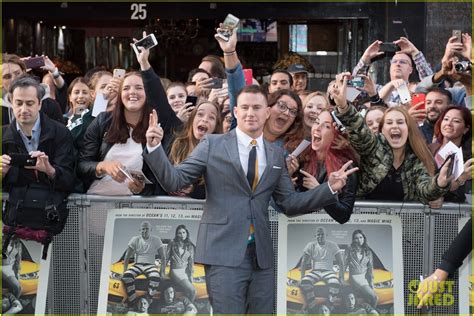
(94, 150)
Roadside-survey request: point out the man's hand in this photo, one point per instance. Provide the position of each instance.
(452, 48)
(337, 179)
(406, 47)
(143, 55)
(371, 52)
(154, 133)
(231, 44)
(42, 163)
(416, 112)
(6, 164)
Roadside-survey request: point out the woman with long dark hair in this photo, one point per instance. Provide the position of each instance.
(359, 259)
(114, 143)
(180, 255)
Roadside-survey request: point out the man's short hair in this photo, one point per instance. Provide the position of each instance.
(13, 59)
(217, 69)
(441, 91)
(25, 81)
(283, 71)
(255, 89)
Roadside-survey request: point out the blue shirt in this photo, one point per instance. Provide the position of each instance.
(33, 143)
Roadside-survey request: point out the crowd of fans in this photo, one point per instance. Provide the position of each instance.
(394, 144)
(381, 133)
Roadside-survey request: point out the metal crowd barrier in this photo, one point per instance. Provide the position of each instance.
(77, 251)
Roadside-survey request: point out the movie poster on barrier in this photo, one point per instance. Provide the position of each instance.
(368, 246)
(466, 278)
(144, 236)
(24, 278)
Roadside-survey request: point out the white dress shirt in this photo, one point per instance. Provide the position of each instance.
(244, 147)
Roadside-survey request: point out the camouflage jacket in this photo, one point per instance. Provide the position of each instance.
(376, 159)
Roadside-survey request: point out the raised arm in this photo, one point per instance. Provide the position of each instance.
(173, 178)
(233, 68)
(407, 47)
(360, 136)
(156, 94)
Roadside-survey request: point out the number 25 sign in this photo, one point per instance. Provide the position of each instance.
(138, 11)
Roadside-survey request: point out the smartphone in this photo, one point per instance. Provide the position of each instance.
(191, 99)
(34, 62)
(229, 24)
(217, 83)
(417, 98)
(458, 35)
(147, 42)
(389, 47)
(248, 75)
(404, 93)
(356, 82)
(340, 127)
(119, 73)
(21, 160)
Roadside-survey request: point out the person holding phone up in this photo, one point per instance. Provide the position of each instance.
(395, 164)
(401, 66)
(32, 134)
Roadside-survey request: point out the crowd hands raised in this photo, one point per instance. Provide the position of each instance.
(378, 146)
(381, 134)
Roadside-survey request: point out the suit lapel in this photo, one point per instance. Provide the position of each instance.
(232, 150)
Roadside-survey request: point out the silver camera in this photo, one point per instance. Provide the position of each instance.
(462, 66)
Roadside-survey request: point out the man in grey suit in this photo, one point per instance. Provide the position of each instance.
(234, 241)
(239, 273)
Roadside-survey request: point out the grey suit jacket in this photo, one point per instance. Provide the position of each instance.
(231, 204)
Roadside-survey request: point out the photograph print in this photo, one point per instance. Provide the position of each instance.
(326, 268)
(24, 278)
(148, 264)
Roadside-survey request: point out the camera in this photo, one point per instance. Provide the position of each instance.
(462, 66)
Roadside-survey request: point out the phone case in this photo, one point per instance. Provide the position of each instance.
(34, 62)
(147, 42)
(404, 94)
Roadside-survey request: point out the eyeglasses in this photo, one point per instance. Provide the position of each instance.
(228, 119)
(282, 107)
(399, 61)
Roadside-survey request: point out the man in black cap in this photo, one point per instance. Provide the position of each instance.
(300, 77)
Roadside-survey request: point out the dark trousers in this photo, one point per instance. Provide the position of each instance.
(246, 289)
